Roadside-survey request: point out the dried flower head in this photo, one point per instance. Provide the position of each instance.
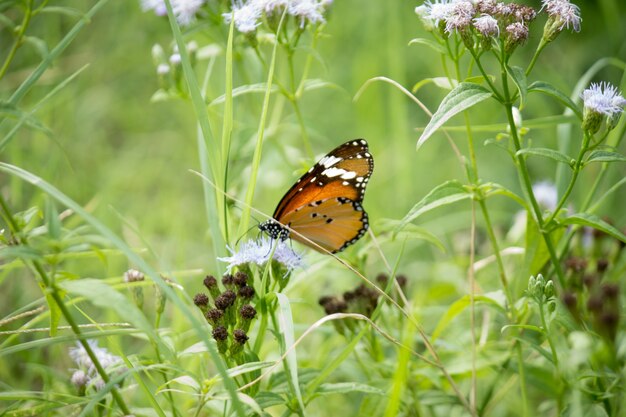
(201, 300)
(515, 35)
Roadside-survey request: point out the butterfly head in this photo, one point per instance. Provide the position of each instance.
(274, 229)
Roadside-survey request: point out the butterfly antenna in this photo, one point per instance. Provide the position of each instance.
(245, 233)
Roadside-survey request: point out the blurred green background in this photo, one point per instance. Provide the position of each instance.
(128, 159)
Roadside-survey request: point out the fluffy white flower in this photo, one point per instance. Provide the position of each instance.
(439, 10)
(185, 10)
(271, 6)
(259, 251)
(603, 98)
(246, 16)
(307, 11)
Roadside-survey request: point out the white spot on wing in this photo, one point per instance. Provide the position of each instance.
(329, 160)
(334, 172)
(348, 175)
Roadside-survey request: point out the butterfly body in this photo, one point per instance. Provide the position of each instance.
(324, 207)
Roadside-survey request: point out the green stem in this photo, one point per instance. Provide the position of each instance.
(15, 230)
(522, 376)
(474, 179)
(296, 107)
(18, 39)
(555, 358)
(577, 168)
(542, 44)
(486, 76)
(496, 248)
(527, 184)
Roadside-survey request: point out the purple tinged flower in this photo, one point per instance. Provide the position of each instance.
(158, 6)
(460, 16)
(487, 26)
(565, 14)
(86, 372)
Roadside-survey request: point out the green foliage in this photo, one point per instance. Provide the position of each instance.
(138, 147)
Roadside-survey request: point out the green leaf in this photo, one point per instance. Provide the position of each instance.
(103, 295)
(535, 249)
(548, 89)
(286, 329)
(243, 90)
(39, 44)
(68, 11)
(267, 399)
(522, 326)
(461, 98)
(52, 220)
(410, 231)
(547, 153)
(9, 110)
(518, 76)
(447, 193)
(496, 300)
(8, 253)
(55, 310)
(316, 84)
(435, 46)
(348, 387)
(590, 220)
(441, 82)
(605, 156)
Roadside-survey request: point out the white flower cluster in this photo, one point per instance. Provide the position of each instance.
(184, 10)
(86, 374)
(247, 15)
(259, 251)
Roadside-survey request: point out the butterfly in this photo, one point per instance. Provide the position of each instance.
(324, 205)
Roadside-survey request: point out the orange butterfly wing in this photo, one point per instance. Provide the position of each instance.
(343, 172)
(324, 205)
(333, 224)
